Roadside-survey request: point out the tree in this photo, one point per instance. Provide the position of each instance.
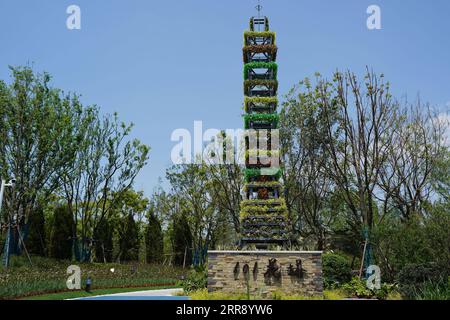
(35, 241)
(181, 240)
(36, 138)
(190, 183)
(103, 239)
(61, 237)
(102, 172)
(308, 185)
(360, 140)
(154, 242)
(416, 153)
(128, 240)
(226, 180)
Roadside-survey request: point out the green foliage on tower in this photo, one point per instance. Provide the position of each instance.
(264, 213)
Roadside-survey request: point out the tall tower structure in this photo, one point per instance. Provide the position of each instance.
(264, 217)
(263, 212)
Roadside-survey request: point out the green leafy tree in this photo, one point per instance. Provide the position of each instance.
(103, 171)
(129, 240)
(154, 240)
(36, 138)
(191, 183)
(308, 186)
(181, 240)
(61, 238)
(103, 237)
(35, 242)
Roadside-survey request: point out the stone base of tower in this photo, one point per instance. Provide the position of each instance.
(263, 273)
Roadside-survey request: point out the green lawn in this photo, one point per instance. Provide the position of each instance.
(82, 294)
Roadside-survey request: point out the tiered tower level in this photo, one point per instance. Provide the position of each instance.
(263, 212)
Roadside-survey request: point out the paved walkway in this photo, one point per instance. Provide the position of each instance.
(165, 294)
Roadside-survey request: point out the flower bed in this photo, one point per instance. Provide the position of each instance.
(50, 276)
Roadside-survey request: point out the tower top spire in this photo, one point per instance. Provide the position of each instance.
(259, 7)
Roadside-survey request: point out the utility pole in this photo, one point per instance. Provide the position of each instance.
(3, 186)
(6, 250)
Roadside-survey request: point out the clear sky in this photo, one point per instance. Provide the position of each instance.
(163, 64)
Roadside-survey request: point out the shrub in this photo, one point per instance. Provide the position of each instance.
(336, 270)
(196, 280)
(415, 241)
(433, 291)
(358, 288)
(418, 279)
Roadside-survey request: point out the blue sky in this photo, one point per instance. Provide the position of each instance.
(164, 64)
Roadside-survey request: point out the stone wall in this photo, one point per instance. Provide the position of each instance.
(289, 272)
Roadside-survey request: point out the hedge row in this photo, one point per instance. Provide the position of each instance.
(260, 65)
(273, 118)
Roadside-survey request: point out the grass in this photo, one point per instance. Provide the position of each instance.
(336, 294)
(204, 295)
(84, 294)
(49, 276)
(433, 291)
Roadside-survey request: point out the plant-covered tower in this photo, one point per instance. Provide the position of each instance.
(263, 212)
